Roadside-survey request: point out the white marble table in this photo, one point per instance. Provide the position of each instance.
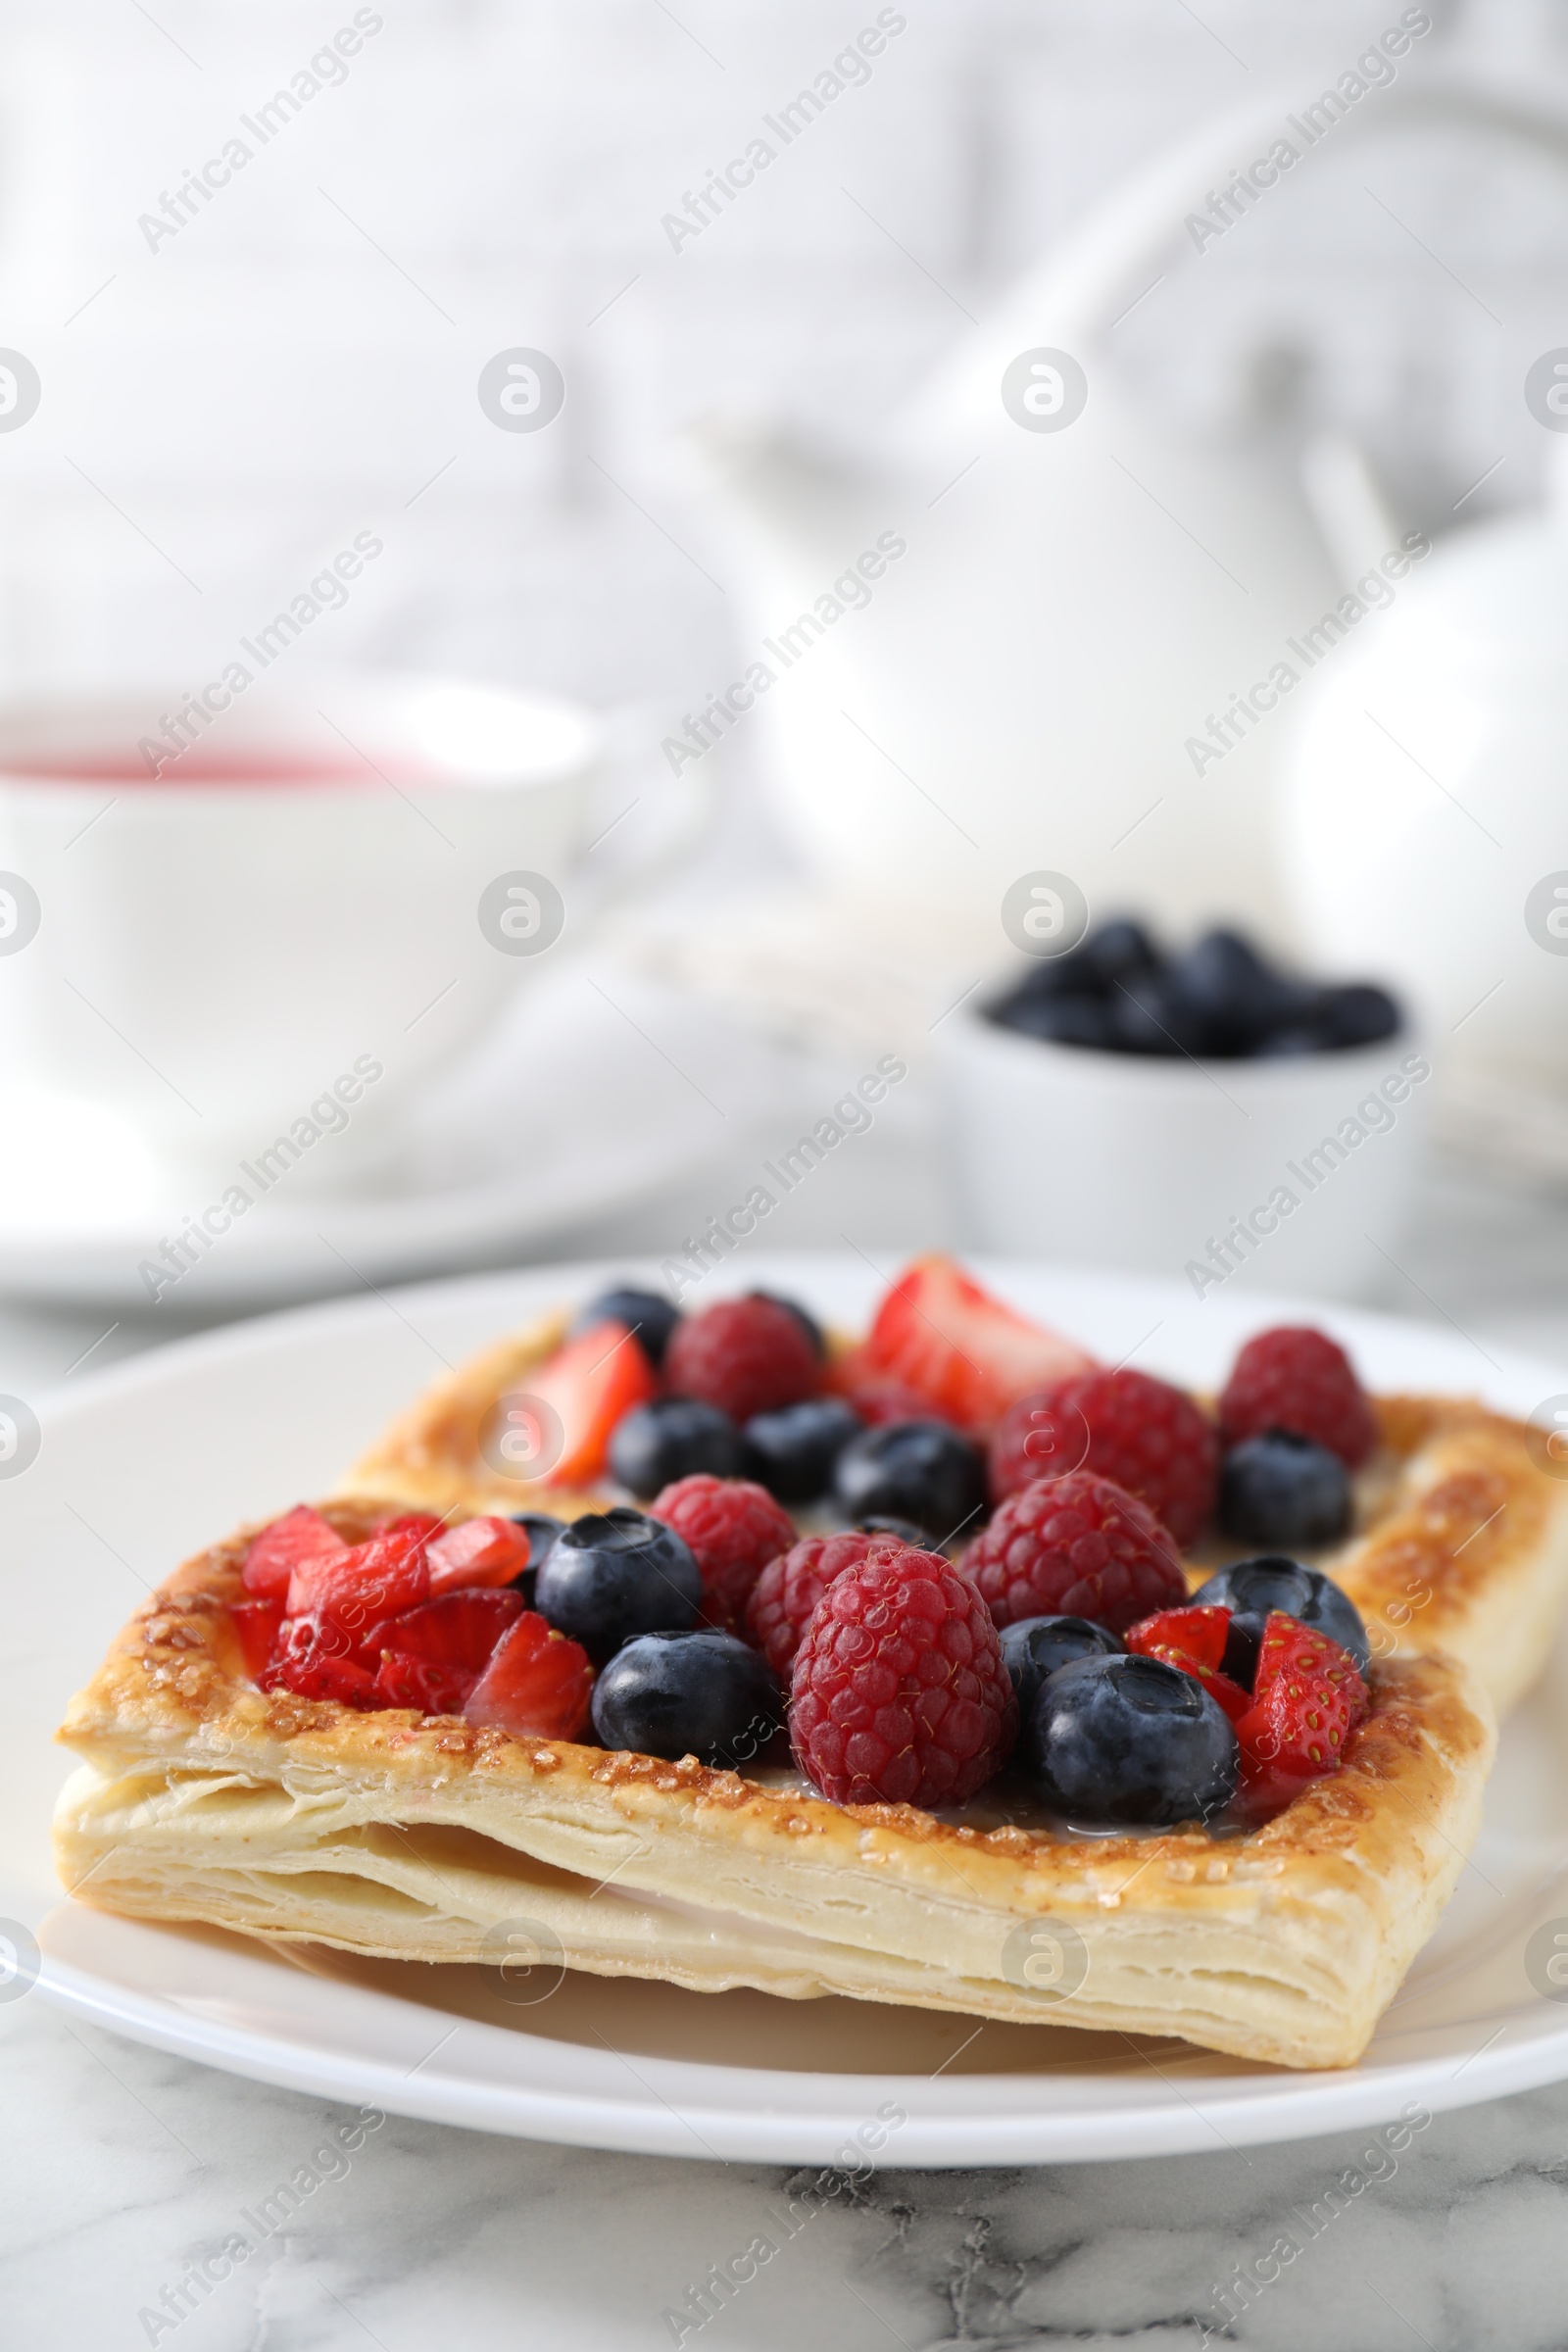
(122, 2168)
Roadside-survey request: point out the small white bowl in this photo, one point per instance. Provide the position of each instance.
(1294, 1174)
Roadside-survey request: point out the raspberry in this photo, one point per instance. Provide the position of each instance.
(732, 1529)
(1307, 1698)
(792, 1584)
(1075, 1546)
(1299, 1379)
(1125, 1425)
(898, 1693)
(745, 1356)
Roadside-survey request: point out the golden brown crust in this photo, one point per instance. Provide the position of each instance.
(431, 1459)
(204, 1798)
(1467, 1547)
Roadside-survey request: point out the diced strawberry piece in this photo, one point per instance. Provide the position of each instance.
(1198, 1634)
(257, 1621)
(432, 1657)
(300, 1536)
(422, 1524)
(478, 1552)
(969, 1356)
(312, 1659)
(1307, 1698)
(374, 1580)
(589, 1383)
(459, 1631)
(420, 1683)
(1232, 1698)
(537, 1685)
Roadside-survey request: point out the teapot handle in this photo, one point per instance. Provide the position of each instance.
(1116, 255)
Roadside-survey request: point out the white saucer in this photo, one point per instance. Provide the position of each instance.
(145, 1462)
(571, 1108)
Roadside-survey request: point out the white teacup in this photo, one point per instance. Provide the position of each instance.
(288, 927)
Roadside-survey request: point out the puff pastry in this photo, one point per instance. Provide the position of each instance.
(200, 1797)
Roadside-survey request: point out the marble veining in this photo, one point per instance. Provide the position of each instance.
(126, 2171)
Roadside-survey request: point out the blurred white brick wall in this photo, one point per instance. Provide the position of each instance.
(299, 361)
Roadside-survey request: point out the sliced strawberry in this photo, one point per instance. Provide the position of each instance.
(257, 1621)
(537, 1685)
(1198, 1634)
(1307, 1698)
(312, 1660)
(478, 1552)
(1231, 1696)
(431, 1656)
(358, 1588)
(589, 1385)
(969, 1356)
(300, 1536)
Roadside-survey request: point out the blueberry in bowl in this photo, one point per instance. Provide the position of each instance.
(1280, 1489)
(615, 1574)
(1220, 999)
(1252, 1588)
(672, 1438)
(1129, 1741)
(1033, 1647)
(923, 1471)
(792, 1451)
(704, 1694)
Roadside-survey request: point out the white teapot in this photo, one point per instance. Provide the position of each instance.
(990, 651)
(1425, 807)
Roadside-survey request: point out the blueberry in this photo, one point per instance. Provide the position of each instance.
(1357, 1015)
(656, 1443)
(919, 1470)
(1273, 1582)
(1116, 950)
(793, 1451)
(645, 1313)
(1063, 1022)
(615, 1574)
(701, 1694)
(1033, 1646)
(1280, 1489)
(1130, 1741)
(1244, 1637)
(1289, 1043)
(807, 1321)
(1224, 988)
(544, 1532)
(1071, 975)
(886, 1523)
(1151, 1018)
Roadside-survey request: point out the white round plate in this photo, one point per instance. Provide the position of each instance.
(148, 1461)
